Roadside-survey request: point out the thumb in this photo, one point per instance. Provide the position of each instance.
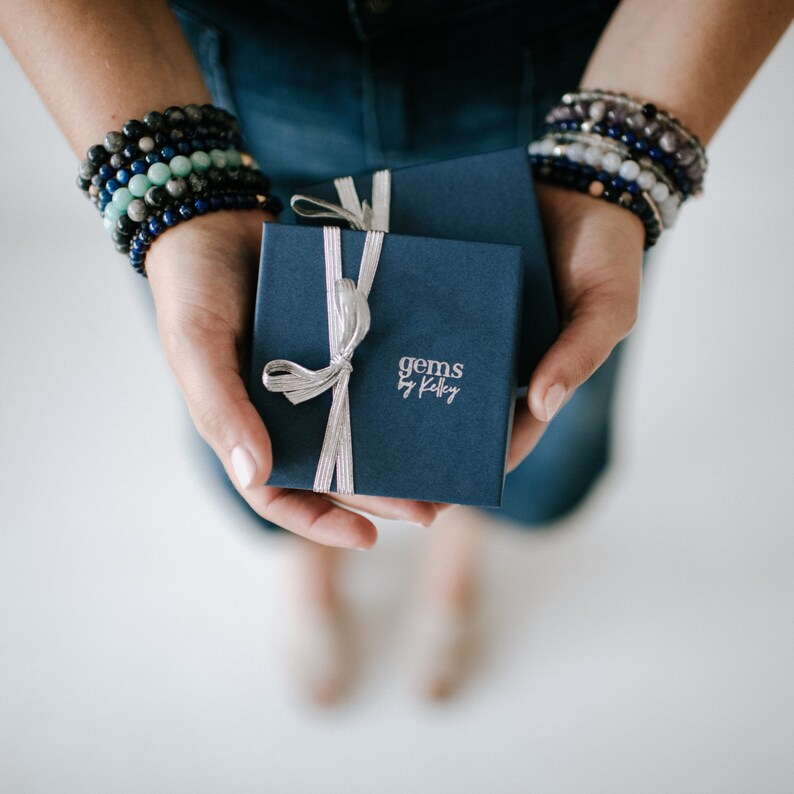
(599, 320)
(205, 363)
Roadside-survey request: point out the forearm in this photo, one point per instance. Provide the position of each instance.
(693, 59)
(98, 64)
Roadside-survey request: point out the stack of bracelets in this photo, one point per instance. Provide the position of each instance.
(167, 168)
(626, 152)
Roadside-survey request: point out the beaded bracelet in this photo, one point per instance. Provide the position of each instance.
(600, 184)
(168, 168)
(614, 160)
(648, 129)
(624, 151)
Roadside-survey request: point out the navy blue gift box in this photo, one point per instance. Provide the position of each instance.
(486, 197)
(432, 388)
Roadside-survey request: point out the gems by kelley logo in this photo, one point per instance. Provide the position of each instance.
(425, 377)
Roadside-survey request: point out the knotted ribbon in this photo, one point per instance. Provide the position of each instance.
(359, 214)
(348, 324)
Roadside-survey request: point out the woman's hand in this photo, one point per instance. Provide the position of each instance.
(203, 278)
(596, 251)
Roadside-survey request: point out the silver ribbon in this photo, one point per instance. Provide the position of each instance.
(348, 324)
(358, 214)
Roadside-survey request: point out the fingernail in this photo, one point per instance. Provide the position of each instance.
(554, 397)
(244, 465)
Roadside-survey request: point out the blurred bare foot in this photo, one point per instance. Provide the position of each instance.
(446, 601)
(316, 632)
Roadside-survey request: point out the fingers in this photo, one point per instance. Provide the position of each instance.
(527, 431)
(416, 512)
(312, 516)
(599, 319)
(204, 361)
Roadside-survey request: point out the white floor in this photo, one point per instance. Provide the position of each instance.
(644, 646)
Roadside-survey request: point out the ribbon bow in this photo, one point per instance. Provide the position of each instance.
(358, 214)
(348, 324)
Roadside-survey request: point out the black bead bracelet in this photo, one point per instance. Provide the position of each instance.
(167, 168)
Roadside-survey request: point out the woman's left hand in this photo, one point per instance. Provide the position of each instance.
(596, 251)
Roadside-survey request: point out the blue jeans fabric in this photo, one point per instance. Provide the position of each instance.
(324, 88)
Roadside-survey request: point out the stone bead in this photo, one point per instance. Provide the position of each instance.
(180, 165)
(114, 142)
(651, 129)
(109, 225)
(117, 160)
(611, 162)
(592, 156)
(218, 158)
(669, 210)
(646, 180)
(134, 129)
(175, 115)
(158, 173)
(660, 191)
(596, 189)
(86, 169)
(122, 197)
(636, 121)
(192, 113)
(218, 177)
(629, 170)
(155, 121)
(616, 115)
(695, 171)
(186, 211)
(685, 157)
(112, 212)
(198, 182)
(597, 110)
(136, 210)
(575, 152)
(176, 187)
(201, 161)
(233, 158)
(156, 196)
(97, 155)
(625, 199)
(126, 226)
(668, 141)
(146, 144)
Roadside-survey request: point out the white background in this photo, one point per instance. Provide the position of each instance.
(646, 645)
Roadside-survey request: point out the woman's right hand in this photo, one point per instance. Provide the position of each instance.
(203, 278)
